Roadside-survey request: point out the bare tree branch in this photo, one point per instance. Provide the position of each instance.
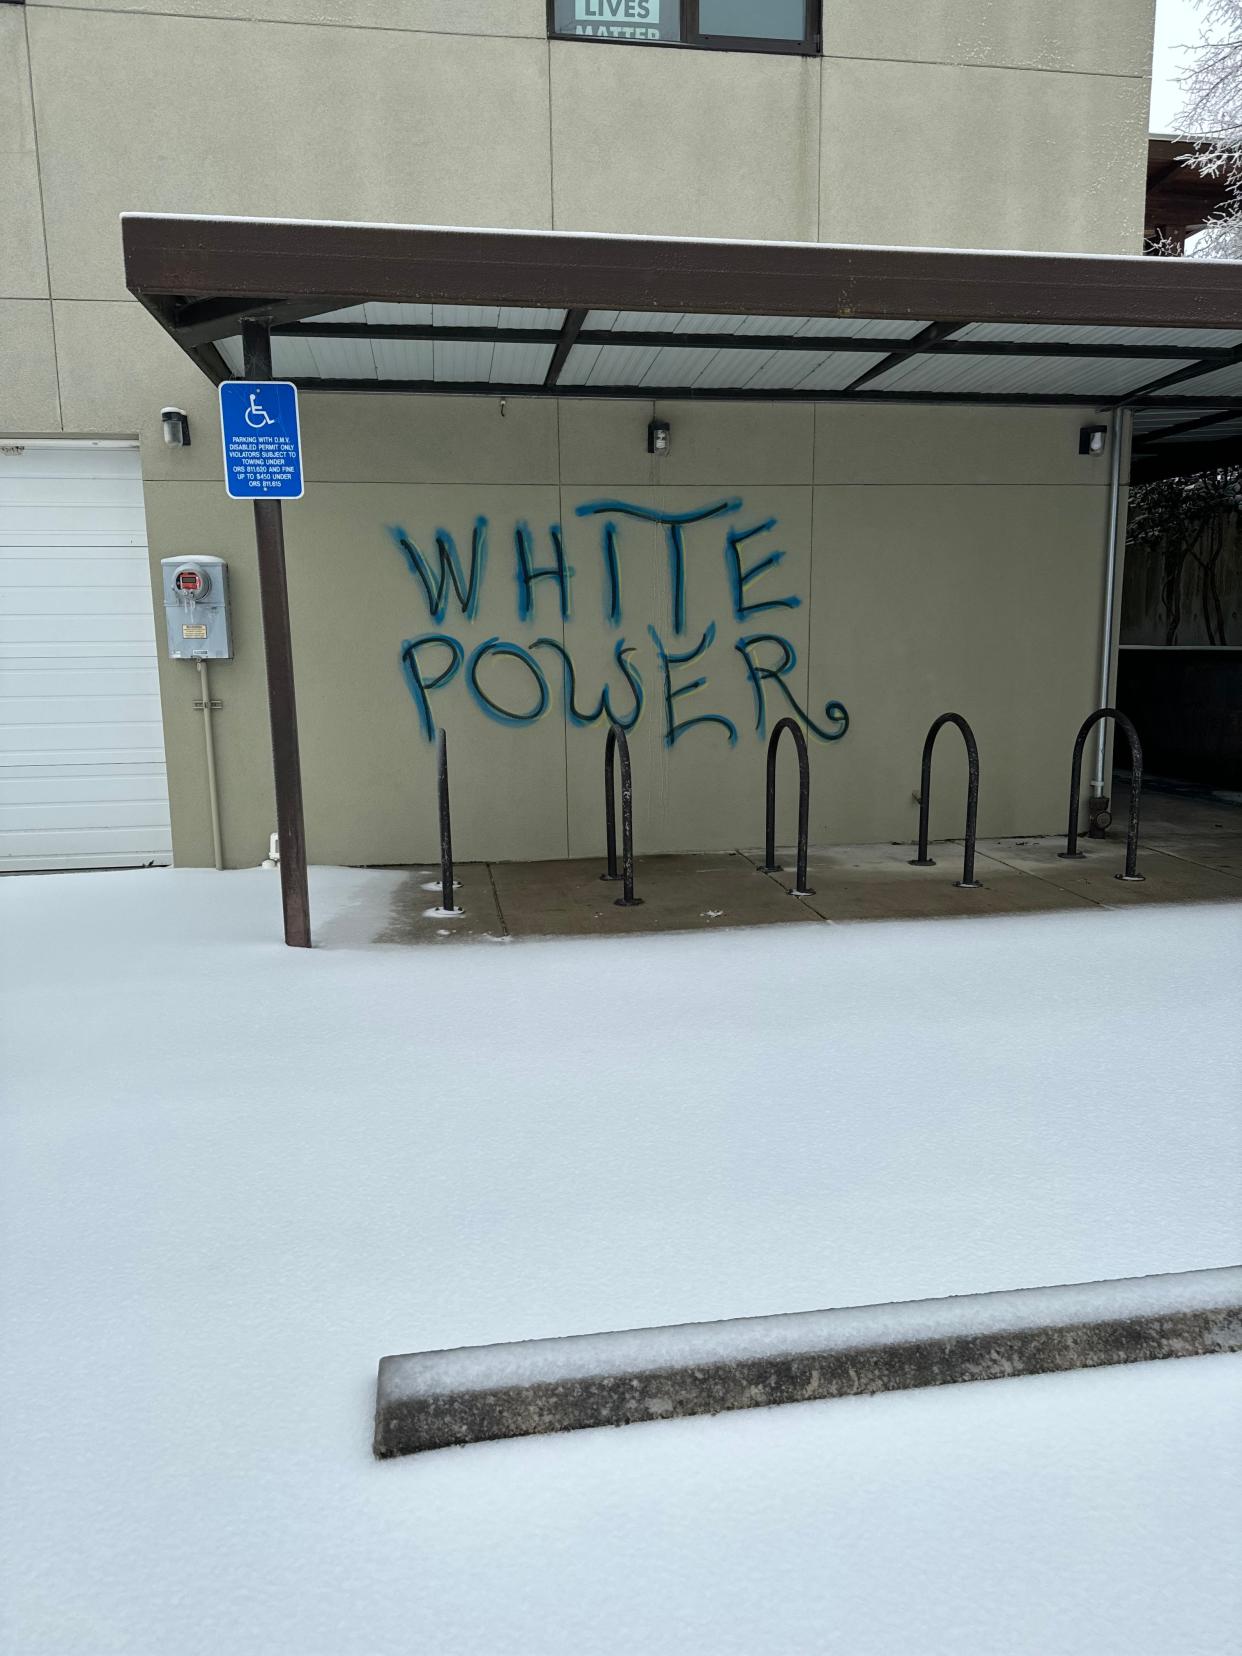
(1211, 117)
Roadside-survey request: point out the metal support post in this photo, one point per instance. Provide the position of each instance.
(269, 535)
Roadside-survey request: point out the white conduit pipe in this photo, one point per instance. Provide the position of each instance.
(1118, 432)
(209, 741)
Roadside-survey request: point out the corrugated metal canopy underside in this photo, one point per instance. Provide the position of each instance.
(441, 348)
(1178, 378)
(503, 350)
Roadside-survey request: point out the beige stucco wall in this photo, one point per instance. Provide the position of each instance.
(943, 558)
(932, 553)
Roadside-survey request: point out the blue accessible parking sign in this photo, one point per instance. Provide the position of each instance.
(262, 442)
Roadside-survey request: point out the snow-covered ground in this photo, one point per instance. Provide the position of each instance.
(232, 1176)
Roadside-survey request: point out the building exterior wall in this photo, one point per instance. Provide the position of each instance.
(941, 559)
(937, 555)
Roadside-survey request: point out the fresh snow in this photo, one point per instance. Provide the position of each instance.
(233, 1176)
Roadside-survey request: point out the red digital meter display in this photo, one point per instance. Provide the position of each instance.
(189, 580)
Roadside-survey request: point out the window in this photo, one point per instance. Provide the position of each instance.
(715, 25)
(751, 20)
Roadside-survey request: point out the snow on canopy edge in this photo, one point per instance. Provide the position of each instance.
(1135, 259)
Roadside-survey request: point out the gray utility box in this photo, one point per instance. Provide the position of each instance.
(196, 609)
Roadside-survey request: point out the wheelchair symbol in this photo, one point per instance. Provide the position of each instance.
(257, 417)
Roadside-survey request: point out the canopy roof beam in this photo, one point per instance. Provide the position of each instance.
(938, 345)
(1181, 375)
(570, 332)
(722, 393)
(187, 261)
(932, 334)
(1200, 424)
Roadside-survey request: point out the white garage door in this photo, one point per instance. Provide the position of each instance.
(82, 781)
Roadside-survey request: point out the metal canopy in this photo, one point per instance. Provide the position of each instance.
(393, 308)
(384, 308)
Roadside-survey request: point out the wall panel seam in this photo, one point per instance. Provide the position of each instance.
(47, 266)
(464, 34)
(1002, 68)
(552, 206)
(274, 22)
(819, 154)
(560, 512)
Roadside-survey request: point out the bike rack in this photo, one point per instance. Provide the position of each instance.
(616, 739)
(771, 866)
(967, 881)
(446, 828)
(1136, 787)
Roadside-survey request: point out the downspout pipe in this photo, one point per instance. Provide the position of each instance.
(1119, 431)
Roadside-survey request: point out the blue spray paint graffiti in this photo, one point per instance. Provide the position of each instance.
(768, 658)
(436, 587)
(632, 676)
(740, 579)
(420, 686)
(759, 675)
(674, 526)
(674, 728)
(527, 572)
(488, 703)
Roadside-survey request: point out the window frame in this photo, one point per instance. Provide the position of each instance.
(810, 45)
(692, 38)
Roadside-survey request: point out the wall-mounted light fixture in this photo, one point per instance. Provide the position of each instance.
(1091, 439)
(659, 437)
(176, 423)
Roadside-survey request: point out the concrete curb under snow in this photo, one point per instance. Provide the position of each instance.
(434, 1399)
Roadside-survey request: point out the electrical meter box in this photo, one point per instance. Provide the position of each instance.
(196, 609)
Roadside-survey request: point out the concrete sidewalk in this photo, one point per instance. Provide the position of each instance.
(1190, 851)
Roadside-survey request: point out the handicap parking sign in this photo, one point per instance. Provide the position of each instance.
(262, 441)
